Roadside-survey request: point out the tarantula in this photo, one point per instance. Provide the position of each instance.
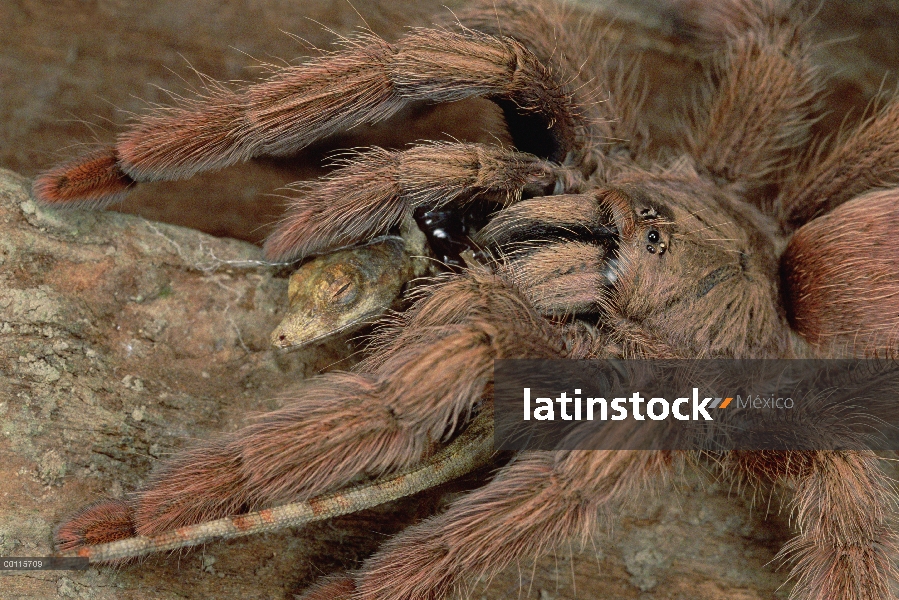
(753, 241)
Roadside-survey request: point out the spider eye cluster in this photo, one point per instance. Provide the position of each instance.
(655, 245)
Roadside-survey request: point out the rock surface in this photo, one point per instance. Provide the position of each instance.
(121, 340)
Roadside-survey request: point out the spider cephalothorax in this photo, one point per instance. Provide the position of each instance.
(696, 269)
(584, 241)
(667, 261)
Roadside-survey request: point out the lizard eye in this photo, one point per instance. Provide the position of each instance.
(345, 293)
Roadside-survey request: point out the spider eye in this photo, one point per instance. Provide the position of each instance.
(653, 236)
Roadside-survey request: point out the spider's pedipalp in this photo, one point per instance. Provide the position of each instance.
(538, 501)
(565, 278)
(565, 216)
(559, 250)
(372, 193)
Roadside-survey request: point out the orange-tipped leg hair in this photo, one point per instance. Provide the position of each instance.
(100, 523)
(94, 180)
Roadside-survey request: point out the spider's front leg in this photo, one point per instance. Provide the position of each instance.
(299, 105)
(347, 424)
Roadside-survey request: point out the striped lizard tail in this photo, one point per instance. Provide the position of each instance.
(472, 449)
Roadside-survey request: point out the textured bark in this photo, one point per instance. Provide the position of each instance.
(120, 340)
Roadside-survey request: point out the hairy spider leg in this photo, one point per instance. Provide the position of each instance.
(377, 189)
(296, 106)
